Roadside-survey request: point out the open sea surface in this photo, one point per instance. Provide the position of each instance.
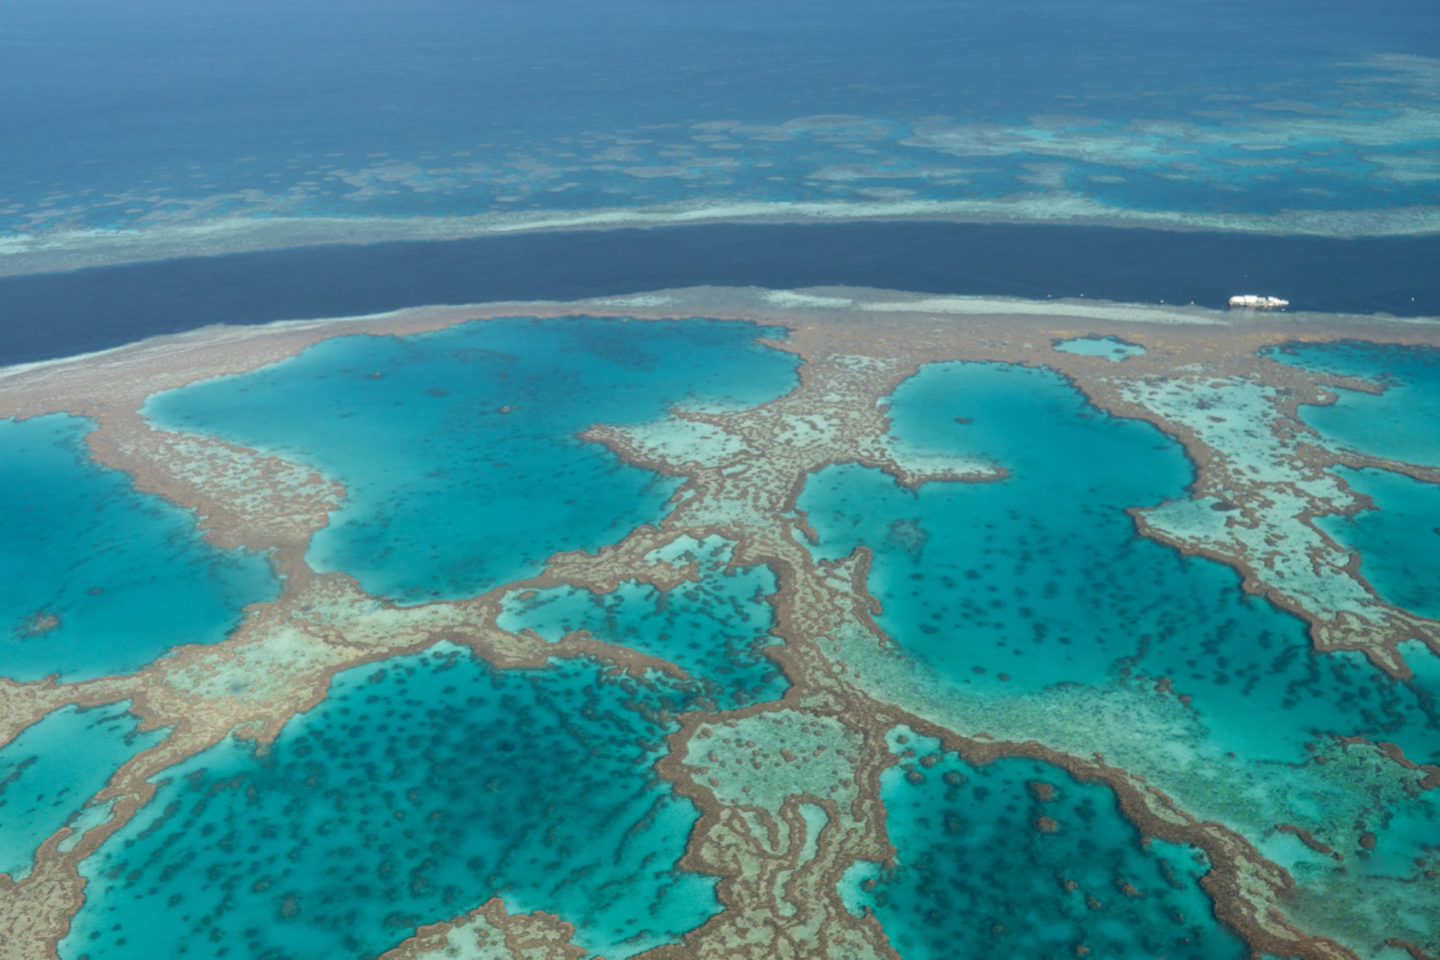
(53, 315)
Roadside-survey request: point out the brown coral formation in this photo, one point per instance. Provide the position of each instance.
(490, 933)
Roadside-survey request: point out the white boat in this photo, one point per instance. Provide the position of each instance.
(1253, 302)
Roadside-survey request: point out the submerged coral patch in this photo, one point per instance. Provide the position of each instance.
(422, 786)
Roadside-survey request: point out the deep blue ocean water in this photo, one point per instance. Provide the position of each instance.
(125, 574)
(385, 76)
(127, 114)
(459, 449)
(417, 790)
(55, 315)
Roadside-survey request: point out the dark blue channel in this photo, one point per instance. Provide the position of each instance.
(44, 316)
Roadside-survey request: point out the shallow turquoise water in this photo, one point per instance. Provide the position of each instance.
(715, 629)
(126, 573)
(976, 876)
(1381, 362)
(417, 790)
(459, 448)
(1400, 542)
(1003, 588)
(1402, 423)
(1110, 348)
(1004, 577)
(52, 768)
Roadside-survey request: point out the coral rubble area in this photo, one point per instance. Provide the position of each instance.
(891, 625)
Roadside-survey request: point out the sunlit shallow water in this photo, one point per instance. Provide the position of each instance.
(97, 578)
(459, 449)
(1006, 588)
(52, 768)
(417, 790)
(1017, 859)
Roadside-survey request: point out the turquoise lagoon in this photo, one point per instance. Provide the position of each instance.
(1006, 592)
(716, 628)
(459, 449)
(1110, 348)
(1003, 589)
(1400, 542)
(97, 578)
(53, 767)
(417, 790)
(1403, 423)
(979, 874)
